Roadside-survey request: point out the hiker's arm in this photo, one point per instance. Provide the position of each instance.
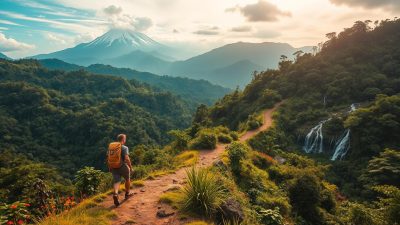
(128, 161)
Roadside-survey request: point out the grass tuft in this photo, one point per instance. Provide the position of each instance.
(186, 158)
(202, 194)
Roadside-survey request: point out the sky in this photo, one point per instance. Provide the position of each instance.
(30, 27)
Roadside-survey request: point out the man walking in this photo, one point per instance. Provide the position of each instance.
(120, 166)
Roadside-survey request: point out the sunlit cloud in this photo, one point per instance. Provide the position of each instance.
(262, 11)
(10, 44)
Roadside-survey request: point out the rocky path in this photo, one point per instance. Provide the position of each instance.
(143, 207)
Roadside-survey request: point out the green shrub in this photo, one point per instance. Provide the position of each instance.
(181, 139)
(224, 138)
(328, 201)
(305, 197)
(202, 194)
(106, 182)
(237, 152)
(139, 172)
(204, 140)
(253, 123)
(390, 202)
(360, 215)
(234, 135)
(270, 217)
(274, 202)
(87, 181)
(262, 160)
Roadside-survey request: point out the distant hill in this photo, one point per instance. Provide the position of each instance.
(233, 64)
(230, 65)
(196, 91)
(2, 56)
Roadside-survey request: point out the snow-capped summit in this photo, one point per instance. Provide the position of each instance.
(128, 39)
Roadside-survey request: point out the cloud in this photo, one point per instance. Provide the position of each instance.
(208, 31)
(9, 44)
(262, 11)
(9, 23)
(55, 38)
(241, 29)
(112, 10)
(391, 4)
(72, 27)
(142, 23)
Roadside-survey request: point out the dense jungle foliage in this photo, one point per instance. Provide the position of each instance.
(66, 119)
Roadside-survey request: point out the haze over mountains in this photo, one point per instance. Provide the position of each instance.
(2, 56)
(229, 65)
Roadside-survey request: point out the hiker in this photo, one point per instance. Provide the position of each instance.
(119, 164)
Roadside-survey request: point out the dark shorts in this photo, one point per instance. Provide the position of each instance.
(123, 171)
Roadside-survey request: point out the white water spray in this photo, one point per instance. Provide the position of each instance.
(342, 146)
(314, 142)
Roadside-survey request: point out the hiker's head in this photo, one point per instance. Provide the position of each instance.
(121, 138)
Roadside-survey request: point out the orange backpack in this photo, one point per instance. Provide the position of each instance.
(114, 155)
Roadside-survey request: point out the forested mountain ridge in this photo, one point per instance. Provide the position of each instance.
(67, 119)
(195, 91)
(359, 65)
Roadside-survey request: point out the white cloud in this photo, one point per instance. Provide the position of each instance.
(368, 4)
(9, 23)
(72, 27)
(241, 29)
(56, 38)
(142, 23)
(9, 44)
(112, 10)
(260, 11)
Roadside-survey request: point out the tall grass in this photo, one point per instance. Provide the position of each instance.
(86, 213)
(202, 194)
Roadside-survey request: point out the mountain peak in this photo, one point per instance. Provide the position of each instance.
(130, 38)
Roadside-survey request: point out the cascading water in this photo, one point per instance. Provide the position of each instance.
(314, 142)
(342, 146)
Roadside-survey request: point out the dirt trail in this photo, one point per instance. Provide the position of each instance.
(142, 208)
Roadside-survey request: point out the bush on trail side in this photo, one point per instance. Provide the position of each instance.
(202, 194)
(205, 140)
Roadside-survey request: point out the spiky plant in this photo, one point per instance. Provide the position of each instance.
(202, 194)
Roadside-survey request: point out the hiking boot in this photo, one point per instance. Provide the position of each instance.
(115, 198)
(128, 195)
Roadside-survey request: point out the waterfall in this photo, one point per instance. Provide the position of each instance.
(342, 146)
(314, 142)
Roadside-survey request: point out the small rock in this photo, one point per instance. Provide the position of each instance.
(142, 190)
(220, 164)
(159, 207)
(231, 209)
(174, 181)
(172, 188)
(162, 213)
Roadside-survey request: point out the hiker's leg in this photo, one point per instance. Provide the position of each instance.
(116, 187)
(127, 185)
(126, 173)
(116, 180)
